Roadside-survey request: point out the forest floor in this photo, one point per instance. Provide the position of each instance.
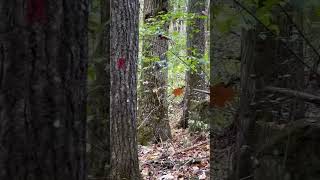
(186, 156)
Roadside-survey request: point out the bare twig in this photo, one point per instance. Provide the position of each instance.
(193, 159)
(191, 147)
(250, 176)
(147, 118)
(301, 95)
(201, 91)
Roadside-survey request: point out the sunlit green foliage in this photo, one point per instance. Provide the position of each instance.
(178, 61)
(228, 16)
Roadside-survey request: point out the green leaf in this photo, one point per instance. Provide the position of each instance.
(264, 16)
(317, 11)
(274, 28)
(226, 18)
(91, 73)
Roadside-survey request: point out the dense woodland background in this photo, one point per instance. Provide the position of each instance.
(159, 89)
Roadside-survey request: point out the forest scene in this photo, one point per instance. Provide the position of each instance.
(159, 90)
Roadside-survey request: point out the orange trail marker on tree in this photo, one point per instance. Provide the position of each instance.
(178, 91)
(220, 94)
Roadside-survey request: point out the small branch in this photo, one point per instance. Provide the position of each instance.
(302, 95)
(190, 148)
(201, 91)
(187, 149)
(147, 118)
(193, 160)
(248, 177)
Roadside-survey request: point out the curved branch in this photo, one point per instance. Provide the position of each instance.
(301, 95)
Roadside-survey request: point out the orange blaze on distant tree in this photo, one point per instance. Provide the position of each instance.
(220, 95)
(178, 91)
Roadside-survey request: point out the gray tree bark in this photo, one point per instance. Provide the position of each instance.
(196, 44)
(43, 70)
(123, 97)
(153, 105)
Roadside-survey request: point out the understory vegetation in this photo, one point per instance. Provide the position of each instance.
(160, 89)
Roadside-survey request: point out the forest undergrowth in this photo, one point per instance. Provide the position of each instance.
(185, 156)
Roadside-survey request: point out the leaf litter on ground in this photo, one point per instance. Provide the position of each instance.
(186, 156)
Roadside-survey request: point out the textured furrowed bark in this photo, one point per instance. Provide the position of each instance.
(195, 78)
(43, 92)
(124, 44)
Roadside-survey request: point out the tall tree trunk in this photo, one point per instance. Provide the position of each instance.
(153, 104)
(212, 5)
(211, 59)
(123, 75)
(43, 69)
(196, 42)
(99, 101)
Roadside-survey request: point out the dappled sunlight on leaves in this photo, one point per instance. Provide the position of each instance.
(186, 156)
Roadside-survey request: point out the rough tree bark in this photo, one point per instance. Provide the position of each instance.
(196, 42)
(153, 104)
(123, 97)
(43, 70)
(211, 57)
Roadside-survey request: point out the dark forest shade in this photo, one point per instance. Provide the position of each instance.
(266, 58)
(43, 69)
(99, 153)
